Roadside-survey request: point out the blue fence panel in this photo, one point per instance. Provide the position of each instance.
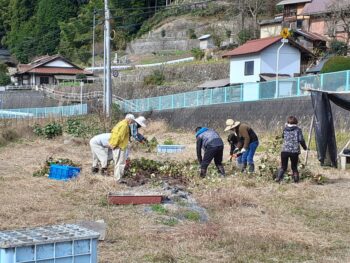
(336, 81)
(179, 100)
(218, 96)
(233, 93)
(282, 88)
(167, 102)
(154, 103)
(44, 112)
(191, 99)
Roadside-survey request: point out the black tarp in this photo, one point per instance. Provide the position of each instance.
(324, 126)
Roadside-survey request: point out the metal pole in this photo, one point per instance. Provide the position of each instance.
(93, 41)
(81, 97)
(277, 66)
(104, 69)
(309, 139)
(108, 61)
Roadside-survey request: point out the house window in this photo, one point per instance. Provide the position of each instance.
(44, 80)
(290, 10)
(249, 68)
(299, 23)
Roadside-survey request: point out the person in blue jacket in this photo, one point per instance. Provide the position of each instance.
(210, 142)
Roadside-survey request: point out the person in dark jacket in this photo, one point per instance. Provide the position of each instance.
(235, 146)
(292, 139)
(250, 142)
(213, 146)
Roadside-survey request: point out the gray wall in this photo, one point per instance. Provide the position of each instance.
(269, 115)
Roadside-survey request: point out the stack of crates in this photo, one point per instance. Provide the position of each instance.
(50, 244)
(63, 172)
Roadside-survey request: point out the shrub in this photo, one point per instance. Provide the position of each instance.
(80, 76)
(197, 53)
(244, 35)
(191, 34)
(338, 48)
(336, 64)
(4, 79)
(49, 131)
(156, 78)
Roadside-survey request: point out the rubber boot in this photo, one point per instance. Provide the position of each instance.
(221, 170)
(94, 170)
(104, 171)
(296, 177)
(251, 168)
(243, 167)
(203, 173)
(280, 175)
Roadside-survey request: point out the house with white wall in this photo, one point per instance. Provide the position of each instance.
(47, 70)
(258, 57)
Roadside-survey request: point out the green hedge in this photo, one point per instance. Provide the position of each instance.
(336, 64)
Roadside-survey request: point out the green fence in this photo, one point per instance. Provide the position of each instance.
(283, 88)
(72, 110)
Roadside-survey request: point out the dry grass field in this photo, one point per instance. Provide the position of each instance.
(250, 219)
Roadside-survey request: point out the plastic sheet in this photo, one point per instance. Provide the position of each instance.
(324, 126)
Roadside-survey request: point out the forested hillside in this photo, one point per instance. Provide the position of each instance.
(30, 28)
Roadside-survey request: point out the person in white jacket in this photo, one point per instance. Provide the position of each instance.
(101, 153)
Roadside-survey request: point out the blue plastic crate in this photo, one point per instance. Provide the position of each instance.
(63, 172)
(49, 244)
(170, 148)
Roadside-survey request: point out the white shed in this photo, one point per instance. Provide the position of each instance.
(259, 56)
(206, 42)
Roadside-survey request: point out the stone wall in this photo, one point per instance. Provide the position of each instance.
(181, 78)
(144, 46)
(269, 115)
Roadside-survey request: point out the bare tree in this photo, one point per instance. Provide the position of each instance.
(254, 8)
(339, 21)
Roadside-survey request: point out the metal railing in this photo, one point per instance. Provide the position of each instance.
(284, 88)
(64, 111)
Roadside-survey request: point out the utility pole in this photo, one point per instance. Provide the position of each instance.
(93, 41)
(107, 61)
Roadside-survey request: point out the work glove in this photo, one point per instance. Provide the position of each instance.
(243, 150)
(236, 151)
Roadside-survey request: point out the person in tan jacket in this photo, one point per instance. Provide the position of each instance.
(118, 143)
(250, 143)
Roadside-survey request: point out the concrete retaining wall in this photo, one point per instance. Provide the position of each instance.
(262, 115)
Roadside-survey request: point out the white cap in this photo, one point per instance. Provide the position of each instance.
(141, 121)
(130, 116)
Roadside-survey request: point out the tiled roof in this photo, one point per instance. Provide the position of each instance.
(310, 35)
(317, 6)
(290, 2)
(253, 46)
(40, 61)
(215, 83)
(54, 70)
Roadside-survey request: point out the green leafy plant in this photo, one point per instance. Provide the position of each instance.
(159, 209)
(192, 215)
(49, 131)
(169, 221)
(197, 53)
(156, 78)
(169, 141)
(75, 128)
